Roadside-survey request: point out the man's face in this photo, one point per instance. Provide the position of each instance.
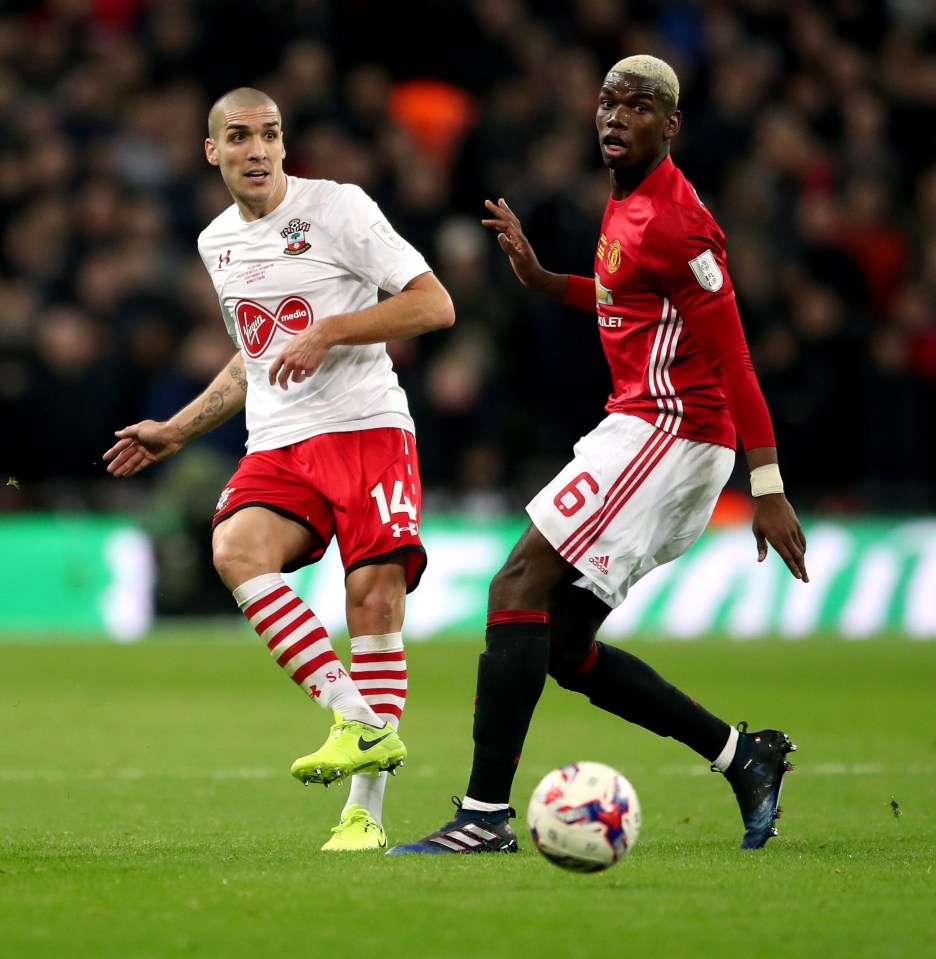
(634, 121)
(248, 149)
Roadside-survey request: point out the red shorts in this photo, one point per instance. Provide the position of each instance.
(363, 488)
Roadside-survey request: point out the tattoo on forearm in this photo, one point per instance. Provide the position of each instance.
(211, 407)
(214, 403)
(237, 374)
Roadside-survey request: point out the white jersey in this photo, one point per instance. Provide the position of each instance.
(326, 249)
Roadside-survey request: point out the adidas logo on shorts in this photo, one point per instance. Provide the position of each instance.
(599, 562)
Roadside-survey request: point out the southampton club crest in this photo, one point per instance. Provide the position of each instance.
(295, 236)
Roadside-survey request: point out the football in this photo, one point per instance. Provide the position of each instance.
(584, 816)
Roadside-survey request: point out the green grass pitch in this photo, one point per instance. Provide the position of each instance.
(148, 812)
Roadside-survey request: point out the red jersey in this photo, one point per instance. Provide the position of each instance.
(668, 318)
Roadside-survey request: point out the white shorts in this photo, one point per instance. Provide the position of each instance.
(633, 498)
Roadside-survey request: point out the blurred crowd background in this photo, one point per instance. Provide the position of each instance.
(808, 131)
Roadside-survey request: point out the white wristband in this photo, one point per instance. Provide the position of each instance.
(766, 479)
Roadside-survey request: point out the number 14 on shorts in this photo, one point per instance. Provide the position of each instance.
(397, 502)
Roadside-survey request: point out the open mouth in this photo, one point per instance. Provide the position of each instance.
(613, 146)
(256, 174)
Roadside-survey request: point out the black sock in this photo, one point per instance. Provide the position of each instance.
(511, 677)
(626, 686)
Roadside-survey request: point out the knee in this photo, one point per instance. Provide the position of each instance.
(227, 557)
(531, 573)
(564, 668)
(571, 663)
(236, 561)
(378, 608)
(518, 585)
(376, 598)
(501, 582)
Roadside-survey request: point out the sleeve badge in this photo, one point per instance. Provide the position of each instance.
(707, 272)
(383, 229)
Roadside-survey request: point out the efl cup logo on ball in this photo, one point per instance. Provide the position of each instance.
(584, 816)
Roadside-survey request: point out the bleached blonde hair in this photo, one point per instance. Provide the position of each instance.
(653, 69)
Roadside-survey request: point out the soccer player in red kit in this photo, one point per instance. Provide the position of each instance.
(641, 486)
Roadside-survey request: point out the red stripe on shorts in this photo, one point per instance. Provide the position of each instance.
(621, 491)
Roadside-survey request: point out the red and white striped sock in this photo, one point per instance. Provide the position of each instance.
(300, 645)
(378, 668)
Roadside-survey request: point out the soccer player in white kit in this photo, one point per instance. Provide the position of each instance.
(641, 486)
(297, 265)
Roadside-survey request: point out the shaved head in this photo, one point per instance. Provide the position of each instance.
(245, 141)
(243, 98)
(655, 71)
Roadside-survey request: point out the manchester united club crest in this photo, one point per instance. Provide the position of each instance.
(614, 256)
(295, 236)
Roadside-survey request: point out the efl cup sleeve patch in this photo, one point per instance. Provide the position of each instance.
(383, 229)
(707, 272)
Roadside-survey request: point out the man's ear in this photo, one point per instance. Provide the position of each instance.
(211, 152)
(673, 124)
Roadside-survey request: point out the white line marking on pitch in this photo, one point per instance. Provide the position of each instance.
(265, 772)
(96, 775)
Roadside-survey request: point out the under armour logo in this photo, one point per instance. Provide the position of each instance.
(410, 528)
(224, 259)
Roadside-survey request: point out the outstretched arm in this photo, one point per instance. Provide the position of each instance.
(514, 243)
(148, 441)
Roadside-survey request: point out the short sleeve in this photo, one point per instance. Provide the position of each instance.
(366, 244)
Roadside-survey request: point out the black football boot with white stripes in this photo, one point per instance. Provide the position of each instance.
(468, 831)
